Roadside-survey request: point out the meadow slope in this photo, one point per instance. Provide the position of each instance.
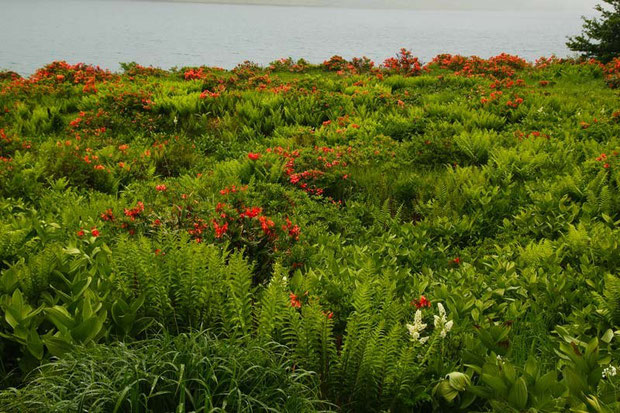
(343, 236)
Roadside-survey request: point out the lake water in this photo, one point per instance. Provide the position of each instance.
(36, 32)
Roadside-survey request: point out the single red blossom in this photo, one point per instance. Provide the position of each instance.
(161, 188)
(422, 302)
(606, 166)
(456, 261)
(94, 232)
(80, 233)
(254, 156)
(295, 302)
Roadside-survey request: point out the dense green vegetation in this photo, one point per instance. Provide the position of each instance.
(311, 237)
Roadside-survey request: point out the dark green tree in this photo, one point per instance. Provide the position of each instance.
(601, 36)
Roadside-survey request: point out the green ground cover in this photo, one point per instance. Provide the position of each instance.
(342, 236)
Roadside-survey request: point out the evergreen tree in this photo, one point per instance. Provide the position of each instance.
(601, 36)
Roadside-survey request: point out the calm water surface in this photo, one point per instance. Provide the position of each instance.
(35, 32)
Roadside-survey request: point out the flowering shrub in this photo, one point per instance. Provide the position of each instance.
(404, 63)
(319, 171)
(79, 73)
(501, 66)
(356, 65)
(288, 65)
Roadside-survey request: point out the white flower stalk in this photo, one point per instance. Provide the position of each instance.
(417, 327)
(441, 321)
(609, 372)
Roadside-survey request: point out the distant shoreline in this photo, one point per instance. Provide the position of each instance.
(392, 6)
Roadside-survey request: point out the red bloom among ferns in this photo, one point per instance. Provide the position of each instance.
(254, 156)
(422, 302)
(295, 302)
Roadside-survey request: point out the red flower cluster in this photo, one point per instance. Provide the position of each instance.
(248, 223)
(90, 123)
(10, 144)
(507, 84)
(80, 73)
(108, 215)
(266, 225)
(233, 189)
(93, 231)
(514, 104)
(421, 302)
(207, 93)
(293, 230)
(194, 74)
(404, 63)
(135, 211)
(198, 227)
(219, 229)
(535, 134)
(288, 64)
(295, 302)
(254, 156)
(501, 66)
(250, 212)
(323, 165)
(356, 65)
(496, 96)
(606, 159)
